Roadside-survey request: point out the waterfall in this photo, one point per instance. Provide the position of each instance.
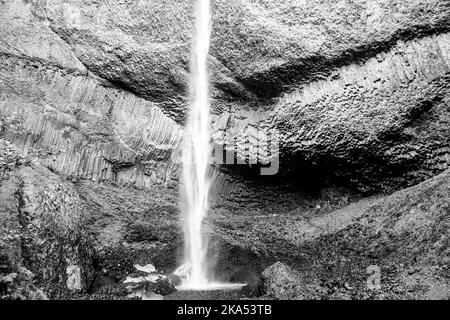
(196, 153)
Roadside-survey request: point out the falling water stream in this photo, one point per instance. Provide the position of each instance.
(196, 154)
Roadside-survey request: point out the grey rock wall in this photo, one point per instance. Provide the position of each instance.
(93, 96)
(379, 125)
(81, 128)
(356, 89)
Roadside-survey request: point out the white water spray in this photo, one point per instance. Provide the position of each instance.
(196, 153)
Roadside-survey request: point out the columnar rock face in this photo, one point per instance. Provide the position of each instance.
(355, 89)
(379, 125)
(78, 124)
(83, 129)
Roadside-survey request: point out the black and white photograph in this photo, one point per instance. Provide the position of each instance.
(244, 151)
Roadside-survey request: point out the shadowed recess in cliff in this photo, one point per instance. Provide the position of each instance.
(364, 121)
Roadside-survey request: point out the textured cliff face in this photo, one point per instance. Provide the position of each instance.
(260, 43)
(80, 128)
(379, 125)
(356, 89)
(77, 123)
(93, 95)
(404, 236)
(44, 226)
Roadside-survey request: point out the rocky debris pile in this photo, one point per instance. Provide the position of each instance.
(148, 284)
(18, 284)
(10, 158)
(399, 242)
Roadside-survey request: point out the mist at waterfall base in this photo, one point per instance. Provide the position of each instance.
(196, 152)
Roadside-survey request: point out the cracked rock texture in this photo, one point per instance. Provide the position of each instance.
(358, 90)
(379, 125)
(83, 129)
(331, 255)
(43, 225)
